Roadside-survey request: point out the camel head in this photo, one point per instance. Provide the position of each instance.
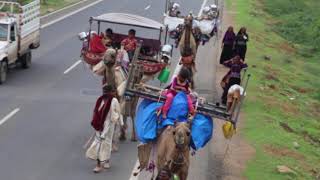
(188, 20)
(110, 57)
(182, 134)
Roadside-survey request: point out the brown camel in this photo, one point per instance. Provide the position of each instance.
(173, 150)
(188, 47)
(115, 75)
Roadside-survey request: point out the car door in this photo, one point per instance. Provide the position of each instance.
(13, 44)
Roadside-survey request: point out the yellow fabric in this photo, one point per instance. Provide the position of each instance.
(228, 130)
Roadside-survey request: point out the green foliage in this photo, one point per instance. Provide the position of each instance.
(299, 20)
(284, 90)
(48, 6)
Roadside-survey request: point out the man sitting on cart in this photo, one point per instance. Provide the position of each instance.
(130, 43)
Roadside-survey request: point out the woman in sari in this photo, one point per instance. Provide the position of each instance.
(227, 45)
(241, 43)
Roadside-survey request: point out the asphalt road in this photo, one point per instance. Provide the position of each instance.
(44, 139)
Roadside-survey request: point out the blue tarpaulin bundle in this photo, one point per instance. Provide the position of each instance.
(147, 121)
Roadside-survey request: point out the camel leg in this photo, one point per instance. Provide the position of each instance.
(133, 132)
(122, 136)
(183, 175)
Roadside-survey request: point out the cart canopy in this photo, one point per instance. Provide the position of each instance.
(129, 19)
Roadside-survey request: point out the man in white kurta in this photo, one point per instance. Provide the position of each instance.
(101, 147)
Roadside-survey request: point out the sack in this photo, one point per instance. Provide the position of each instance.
(201, 131)
(146, 121)
(178, 111)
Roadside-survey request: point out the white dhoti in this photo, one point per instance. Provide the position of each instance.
(101, 147)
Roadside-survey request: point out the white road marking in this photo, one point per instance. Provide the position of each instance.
(146, 8)
(71, 67)
(135, 169)
(70, 14)
(7, 117)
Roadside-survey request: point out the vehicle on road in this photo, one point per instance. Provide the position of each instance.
(151, 48)
(19, 34)
(149, 54)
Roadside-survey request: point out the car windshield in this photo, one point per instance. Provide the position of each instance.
(3, 32)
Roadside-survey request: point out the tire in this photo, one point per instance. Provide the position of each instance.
(26, 60)
(3, 71)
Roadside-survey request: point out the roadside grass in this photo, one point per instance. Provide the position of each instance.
(48, 6)
(283, 102)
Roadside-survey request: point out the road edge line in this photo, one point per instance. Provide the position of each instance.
(59, 10)
(10, 115)
(70, 14)
(132, 177)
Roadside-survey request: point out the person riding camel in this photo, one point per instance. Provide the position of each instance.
(174, 10)
(130, 43)
(187, 58)
(205, 13)
(180, 83)
(214, 12)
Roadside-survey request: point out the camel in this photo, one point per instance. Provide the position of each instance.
(173, 151)
(117, 73)
(187, 40)
(188, 47)
(114, 74)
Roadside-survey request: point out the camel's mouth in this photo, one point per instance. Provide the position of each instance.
(180, 142)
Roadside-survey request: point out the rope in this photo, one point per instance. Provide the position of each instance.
(227, 150)
(160, 95)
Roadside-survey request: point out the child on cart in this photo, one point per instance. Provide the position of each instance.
(130, 43)
(179, 83)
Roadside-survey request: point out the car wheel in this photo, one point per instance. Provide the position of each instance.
(26, 60)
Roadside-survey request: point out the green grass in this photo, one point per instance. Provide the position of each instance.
(53, 5)
(48, 6)
(288, 32)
